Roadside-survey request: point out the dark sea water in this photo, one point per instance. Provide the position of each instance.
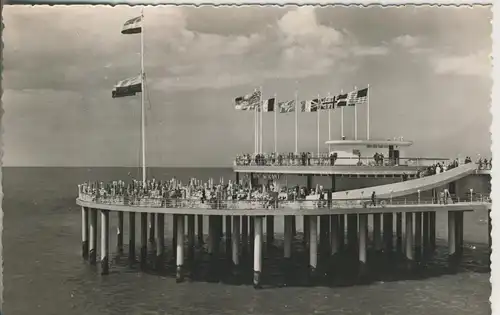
(44, 272)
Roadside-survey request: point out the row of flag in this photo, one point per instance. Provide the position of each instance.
(130, 86)
(252, 101)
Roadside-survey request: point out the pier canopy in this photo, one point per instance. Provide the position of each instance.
(370, 143)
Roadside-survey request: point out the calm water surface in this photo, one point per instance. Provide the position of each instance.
(44, 272)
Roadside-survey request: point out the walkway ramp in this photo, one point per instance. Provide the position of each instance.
(407, 187)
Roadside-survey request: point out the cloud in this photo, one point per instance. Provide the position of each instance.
(370, 51)
(475, 64)
(407, 41)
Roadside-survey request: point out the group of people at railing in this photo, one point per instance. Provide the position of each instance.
(321, 159)
(174, 193)
(210, 195)
(330, 159)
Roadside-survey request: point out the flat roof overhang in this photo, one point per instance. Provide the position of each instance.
(384, 143)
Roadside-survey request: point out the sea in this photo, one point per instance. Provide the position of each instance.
(44, 272)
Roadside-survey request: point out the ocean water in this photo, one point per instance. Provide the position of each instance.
(45, 274)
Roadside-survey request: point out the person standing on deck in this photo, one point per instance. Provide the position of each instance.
(374, 203)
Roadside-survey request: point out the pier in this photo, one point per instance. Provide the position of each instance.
(407, 229)
(395, 219)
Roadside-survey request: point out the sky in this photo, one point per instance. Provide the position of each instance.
(428, 69)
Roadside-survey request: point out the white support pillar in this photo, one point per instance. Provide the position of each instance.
(288, 236)
(180, 248)
(362, 231)
(104, 242)
(377, 231)
(409, 236)
(85, 233)
(119, 233)
(334, 233)
(235, 241)
(160, 239)
(93, 237)
(451, 233)
(313, 243)
(257, 252)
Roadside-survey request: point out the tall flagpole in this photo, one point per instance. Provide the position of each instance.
(143, 122)
(261, 122)
(342, 117)
(355, 118)
(296, 121)
(329, 124)
(368, 113)
(255, 130)
(275, 125)
(318, 110)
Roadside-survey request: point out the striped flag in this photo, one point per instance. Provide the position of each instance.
(361, 97)
(247, 102)
(309, 106)
(133, 26)
(287, 106)
(127, 87)
(268, 105)
(341, 100)
(351, 98)
(327, 103)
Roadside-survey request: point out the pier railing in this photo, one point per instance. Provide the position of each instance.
(158, 202)
(340, 161)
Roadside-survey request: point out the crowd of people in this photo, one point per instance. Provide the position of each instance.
(304, 159)
(196, 193)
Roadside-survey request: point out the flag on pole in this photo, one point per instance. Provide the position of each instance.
(128, 87)
(309, 106)
(327, 103)
(341, 100)
(268, 105)
(286, 106)
(351, 98)
(247, 102)
(133, 26)
(361, 97)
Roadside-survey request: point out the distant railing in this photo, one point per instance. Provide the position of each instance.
(340, 161)
(160, 202)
